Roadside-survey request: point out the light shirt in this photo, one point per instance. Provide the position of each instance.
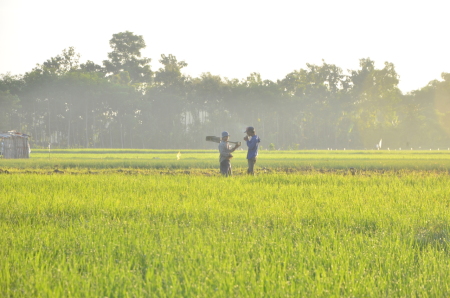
(225, 150)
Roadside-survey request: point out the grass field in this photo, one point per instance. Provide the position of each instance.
(117, 224)
(104, 159)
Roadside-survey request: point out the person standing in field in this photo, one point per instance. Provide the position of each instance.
(225, 150)
(252, 143)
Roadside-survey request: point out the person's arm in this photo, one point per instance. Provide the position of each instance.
(234, 148)
(226, 150)
(252, 143)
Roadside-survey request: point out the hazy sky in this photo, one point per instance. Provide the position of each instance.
(234, 38)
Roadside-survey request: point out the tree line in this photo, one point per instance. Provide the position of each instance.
(124, 103)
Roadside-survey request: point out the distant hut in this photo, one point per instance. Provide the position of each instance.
(14, 145)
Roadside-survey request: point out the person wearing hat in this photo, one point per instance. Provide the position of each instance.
(225, 154)
(252, 143)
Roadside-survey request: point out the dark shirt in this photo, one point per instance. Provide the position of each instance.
(253, 144)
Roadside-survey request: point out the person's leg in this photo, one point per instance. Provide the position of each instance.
(223, 168)
(251, 165)
(230, 173)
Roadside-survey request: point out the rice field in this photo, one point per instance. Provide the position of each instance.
(138, 159)
(125, 225)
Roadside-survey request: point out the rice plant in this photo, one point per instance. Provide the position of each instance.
(274, 235)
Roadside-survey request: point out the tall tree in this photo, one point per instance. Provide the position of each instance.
(8, 103)
(442, 101)
(318, 95)
(126, 56)
(205, 99)
(90, 66)
(255, 102)
(67, 61)
(168, 102)
(375, 93)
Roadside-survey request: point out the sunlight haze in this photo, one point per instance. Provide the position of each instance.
(235, 38)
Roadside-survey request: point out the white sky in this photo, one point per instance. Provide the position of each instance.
(233, 38)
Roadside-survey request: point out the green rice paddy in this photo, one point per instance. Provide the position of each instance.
(103, 159)
(92, 223)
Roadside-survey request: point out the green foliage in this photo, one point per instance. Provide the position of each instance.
(61, 64)
(126, 55)
(125, 105)
(8, 103)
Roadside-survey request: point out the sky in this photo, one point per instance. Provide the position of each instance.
(235, 38)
